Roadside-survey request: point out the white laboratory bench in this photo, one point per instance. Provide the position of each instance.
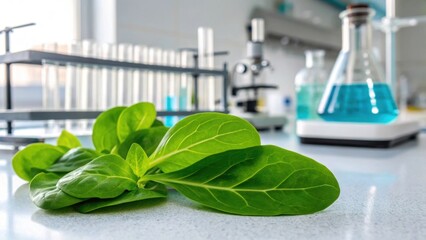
(383, 196)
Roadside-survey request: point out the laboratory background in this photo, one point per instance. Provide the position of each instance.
(341, 82)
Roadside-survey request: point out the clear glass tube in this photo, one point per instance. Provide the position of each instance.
(113, 89)
(167, 60)
(73, 48)
(145, 91)
(177, 82)
(206, 61)
(105, 98)
(138, 57)
(96, 81)
(129, 77)
(124, 86)
(50, 85)
(87, 83)
(186, 83)
(150, 90)
(85, 78)
(158, 84)
(169, 83)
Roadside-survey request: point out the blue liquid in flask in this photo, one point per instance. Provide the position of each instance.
(360, 103)
(308, 98)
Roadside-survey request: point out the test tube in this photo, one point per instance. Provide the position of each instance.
(177, 83)
(129, 77)
(139, 52)
(169, 87)
(124, 86)
(114, 77)
(186, 86)
(121, 75)
(73, 48)
(145, 86)
(50, 84)
(150, 96)
(158, 83)
(177, 86)
(95, 80)
(84, 85)
(206, 90)
(106, 52)
(165, 80)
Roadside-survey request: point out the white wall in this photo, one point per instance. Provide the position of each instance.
(411, 48)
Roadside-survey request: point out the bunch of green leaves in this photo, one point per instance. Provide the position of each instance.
(212, 158)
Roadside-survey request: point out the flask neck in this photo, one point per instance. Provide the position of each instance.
(314, 59)
(356, 34)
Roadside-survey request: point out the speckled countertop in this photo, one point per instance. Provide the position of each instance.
(383, 196)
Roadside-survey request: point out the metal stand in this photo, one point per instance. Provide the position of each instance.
(38, 57)
(8, 86)
(195, 77)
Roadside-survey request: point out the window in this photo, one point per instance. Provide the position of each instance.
(56, 22)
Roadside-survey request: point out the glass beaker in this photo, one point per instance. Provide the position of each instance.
(356, 90)
(310, 83)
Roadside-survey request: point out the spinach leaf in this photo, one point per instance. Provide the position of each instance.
(104, 134)
(199, 136)
(261, 180)
(46, 195)
(73, 159)
(148, 139)
(155, 190)
(68, 140)
(157, 123)
(136, 117)
(107, 176)
(136, 158)
(35, 158)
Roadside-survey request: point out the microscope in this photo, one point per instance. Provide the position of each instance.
(247, 83)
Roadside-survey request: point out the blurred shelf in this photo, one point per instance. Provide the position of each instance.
(279, 25)
(20, 140)
(37, 58)
(41, 115)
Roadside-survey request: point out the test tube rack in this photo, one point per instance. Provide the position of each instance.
(33, 57)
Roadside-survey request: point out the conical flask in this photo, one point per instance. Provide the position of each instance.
(356, 90)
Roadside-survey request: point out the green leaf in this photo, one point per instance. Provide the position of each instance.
(262, 180)
(136, 117)
(201, 135)
(148, 139)
(157, 123)
(46, 195)
(104, 135)
(35, 158)
(107, 176)
(67, 139)
(136, 158)
(155, 191)
(73, 159)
